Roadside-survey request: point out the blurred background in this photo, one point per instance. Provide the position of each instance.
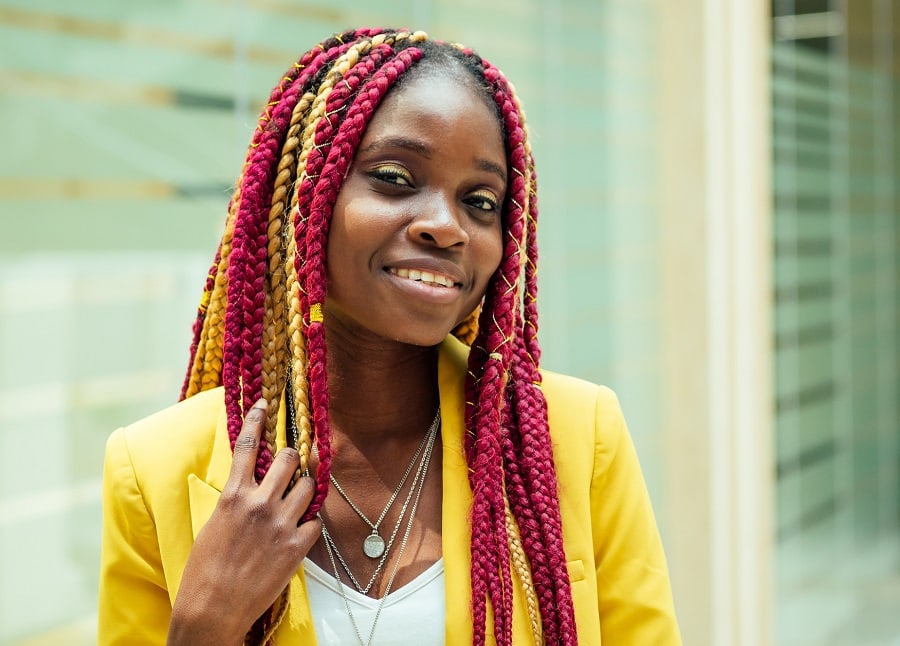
(719, 245)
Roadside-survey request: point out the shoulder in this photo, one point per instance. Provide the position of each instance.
(564, 391)
(575, 402)
(190, 419)
(586, 424)
(173, 442)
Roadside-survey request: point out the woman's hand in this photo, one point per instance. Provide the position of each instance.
(248, 551)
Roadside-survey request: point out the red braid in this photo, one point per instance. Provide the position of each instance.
(247, 274)
(248, 264)
(312, 273)
(490, 544)
(536, 455)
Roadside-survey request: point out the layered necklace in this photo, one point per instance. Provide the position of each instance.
(334, 555)
(374, 545)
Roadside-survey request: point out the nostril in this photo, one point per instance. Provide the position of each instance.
(439, 228)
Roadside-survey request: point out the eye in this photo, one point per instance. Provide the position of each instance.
(392, 174)
(483, 200)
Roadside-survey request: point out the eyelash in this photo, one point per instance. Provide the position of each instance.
(390, 175)
(483, 198)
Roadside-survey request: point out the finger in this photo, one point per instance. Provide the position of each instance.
(298, 498)
(246, 446)
(278, 478)
(307, 535)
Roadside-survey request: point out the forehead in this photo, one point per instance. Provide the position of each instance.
(439, 103)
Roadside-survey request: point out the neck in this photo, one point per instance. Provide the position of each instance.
(380, 390)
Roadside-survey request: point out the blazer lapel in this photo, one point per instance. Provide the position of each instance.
(457, 494)
(204, 489)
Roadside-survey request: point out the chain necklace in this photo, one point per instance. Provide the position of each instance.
(373, 545)
(417, 484)
(331, 549)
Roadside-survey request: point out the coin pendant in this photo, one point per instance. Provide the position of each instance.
(373, 546)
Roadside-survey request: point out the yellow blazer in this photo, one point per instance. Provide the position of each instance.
(163, 475)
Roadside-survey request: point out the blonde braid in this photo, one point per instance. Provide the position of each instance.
(313, 111)
(298, 358)
(295, 344)
(273, 348)
(522, 568)
(317, 111)
(213, 357)
(274, 336)
(296, 340)
(275, 345)
(201, 378)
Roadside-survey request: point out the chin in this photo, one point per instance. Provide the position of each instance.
(421, 340)
(425, 336)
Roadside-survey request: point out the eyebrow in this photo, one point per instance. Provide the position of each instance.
(412, 145)
(416, 146)
(491, 167)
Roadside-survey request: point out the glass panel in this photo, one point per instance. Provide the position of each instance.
(834, 165)
(124, 125)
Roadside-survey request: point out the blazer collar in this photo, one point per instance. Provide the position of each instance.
(204, 490)
(457, 493)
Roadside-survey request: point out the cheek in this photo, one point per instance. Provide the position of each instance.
(495, 249)
(490, 253)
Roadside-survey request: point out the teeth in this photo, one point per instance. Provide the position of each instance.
(435, 280)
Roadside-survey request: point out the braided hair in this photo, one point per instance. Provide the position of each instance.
(260, 322)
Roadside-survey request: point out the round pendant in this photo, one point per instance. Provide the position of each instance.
(373, 546)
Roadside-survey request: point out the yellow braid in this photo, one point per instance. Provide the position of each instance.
(213, 357)
(295, 343)
(298, 357)
(275, 345)
(522, 568)
(310, 109)
(341, 66)
(211, 334)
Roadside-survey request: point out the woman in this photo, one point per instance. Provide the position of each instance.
(457, 494)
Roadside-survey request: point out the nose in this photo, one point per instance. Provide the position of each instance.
(439, 223)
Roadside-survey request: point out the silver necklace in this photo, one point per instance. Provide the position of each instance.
(331, 549)
(373, 545)
(418, 479)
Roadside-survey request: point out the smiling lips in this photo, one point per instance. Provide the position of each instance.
(426, 277)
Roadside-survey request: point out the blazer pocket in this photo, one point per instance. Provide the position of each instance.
(576, 570)
(203, 499)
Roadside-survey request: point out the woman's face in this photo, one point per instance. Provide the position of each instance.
(416, 232)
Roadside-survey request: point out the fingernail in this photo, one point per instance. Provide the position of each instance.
(261, 404)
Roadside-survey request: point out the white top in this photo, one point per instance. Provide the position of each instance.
(412, 614)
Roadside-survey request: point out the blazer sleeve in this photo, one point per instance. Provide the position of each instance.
(634, 593)
(134, 606)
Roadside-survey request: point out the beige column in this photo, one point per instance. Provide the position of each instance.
(717, 324)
